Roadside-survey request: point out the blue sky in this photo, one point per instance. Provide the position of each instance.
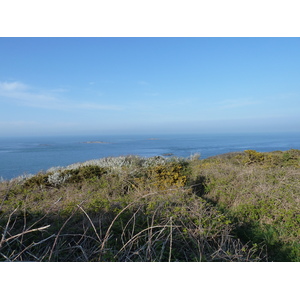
(70, 86)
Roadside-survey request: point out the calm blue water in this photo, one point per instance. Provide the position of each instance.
(20, 156)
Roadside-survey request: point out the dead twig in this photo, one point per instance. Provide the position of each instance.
(32, 245)
(6, 227)
(60, 230)
(148, 228)
(22, 233)
(90, 221)
(111, 224)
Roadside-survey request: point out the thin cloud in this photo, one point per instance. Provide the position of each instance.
(12, 86)
(236, 103)
(24, 95)
(91, 105)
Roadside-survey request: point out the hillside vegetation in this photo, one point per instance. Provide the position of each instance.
(233, 207)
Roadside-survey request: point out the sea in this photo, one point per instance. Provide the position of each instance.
(30, 155)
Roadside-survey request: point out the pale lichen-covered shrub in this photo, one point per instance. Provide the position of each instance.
(21, 178)
(153, 161)
(120, 162)
(58, 178)
(112, 163)
(195, 156)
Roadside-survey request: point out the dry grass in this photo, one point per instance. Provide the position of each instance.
(238, 207)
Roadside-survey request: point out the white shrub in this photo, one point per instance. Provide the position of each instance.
(21, 178)
(113, 164)
(57, 178)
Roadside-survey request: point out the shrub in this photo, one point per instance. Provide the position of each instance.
(253, 157)
(83, 173)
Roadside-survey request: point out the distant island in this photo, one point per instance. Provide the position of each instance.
(95, 142)
(167, 154)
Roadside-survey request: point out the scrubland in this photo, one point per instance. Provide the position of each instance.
(236, 207)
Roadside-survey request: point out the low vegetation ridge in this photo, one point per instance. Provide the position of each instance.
(236, 207)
